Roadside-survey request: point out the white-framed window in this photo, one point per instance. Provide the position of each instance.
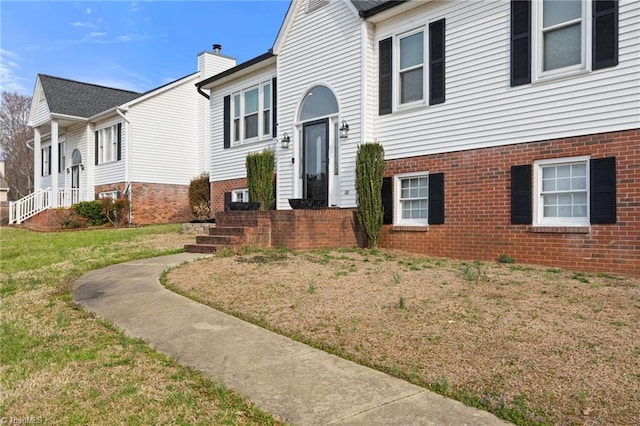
(561, 195)
(562, 40)
(252, 109)
(109, 194)
(108, 144)
(46, 161)
(412, 198)
(266, 109)
(410, 68)
(62, 160)
(240, 195)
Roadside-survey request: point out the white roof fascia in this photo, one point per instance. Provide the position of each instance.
(68, 117)
(284, 28)
(161, 89)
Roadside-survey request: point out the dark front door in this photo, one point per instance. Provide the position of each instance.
(75, 184)
(315, 160)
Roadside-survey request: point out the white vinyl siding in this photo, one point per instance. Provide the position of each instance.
(163, 136)
(482, 110)
(323, 48)
(230, 163)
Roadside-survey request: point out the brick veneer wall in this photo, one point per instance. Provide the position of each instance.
(478, 199)
(155, 202)
(219, 188)
(300, 229)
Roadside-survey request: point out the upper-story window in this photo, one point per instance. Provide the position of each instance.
(108, 144)
(252, 113)
(411, 68)
(559, 37)
(561, 33)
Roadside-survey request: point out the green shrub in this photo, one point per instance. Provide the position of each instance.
(369, 170)
(91, 211)
(200, 196)
(260, 171)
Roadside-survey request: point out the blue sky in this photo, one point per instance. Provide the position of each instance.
(128, 45)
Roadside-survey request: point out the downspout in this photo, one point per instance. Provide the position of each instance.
(202, 93)
(127, 188)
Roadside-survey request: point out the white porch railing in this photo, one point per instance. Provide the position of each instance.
(41, 200)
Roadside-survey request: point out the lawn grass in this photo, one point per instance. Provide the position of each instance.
(533, 345)
(61, 365)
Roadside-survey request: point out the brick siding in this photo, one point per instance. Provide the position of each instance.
(219, 188)
(478, 205)
(478, 210)
(155, 202)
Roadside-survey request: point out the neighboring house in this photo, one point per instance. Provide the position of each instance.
(509, 127)
(92, 141)
(4, 186)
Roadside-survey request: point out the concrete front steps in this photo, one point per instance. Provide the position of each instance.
(233, 231)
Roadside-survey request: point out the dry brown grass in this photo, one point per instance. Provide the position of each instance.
(533, 344)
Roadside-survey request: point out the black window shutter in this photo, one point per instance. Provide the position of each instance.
(227, 121)
(605, 34)
(274, 107)
(96, 150)
(436, 62)
(521, 208)
(520, 42)
(119, 141)
(60, 157)
(49, 165)
(43, 152)
(436, 199)
(603, 190)
(385, 75)
(387, 200)
(227, 200)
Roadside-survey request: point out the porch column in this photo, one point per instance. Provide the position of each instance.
(54, 162)
(88, 175)
(37, 158)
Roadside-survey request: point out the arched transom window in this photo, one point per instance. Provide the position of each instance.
(318, 102)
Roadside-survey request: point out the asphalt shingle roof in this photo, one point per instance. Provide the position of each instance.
(81, 99)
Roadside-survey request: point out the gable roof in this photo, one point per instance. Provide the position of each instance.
(79, 99)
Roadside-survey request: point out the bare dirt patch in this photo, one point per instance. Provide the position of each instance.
(533, 344)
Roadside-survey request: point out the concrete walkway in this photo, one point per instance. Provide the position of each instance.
(294, 382)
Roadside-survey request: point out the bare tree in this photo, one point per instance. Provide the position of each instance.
(14, 134)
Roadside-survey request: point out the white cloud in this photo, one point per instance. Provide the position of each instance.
(10, 81)
(96, 34)
(134, 7)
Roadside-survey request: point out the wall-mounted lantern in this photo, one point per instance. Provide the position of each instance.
(344, 130)
(285, 142)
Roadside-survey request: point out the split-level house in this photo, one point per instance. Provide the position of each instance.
(509, 127)
(92, 141)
